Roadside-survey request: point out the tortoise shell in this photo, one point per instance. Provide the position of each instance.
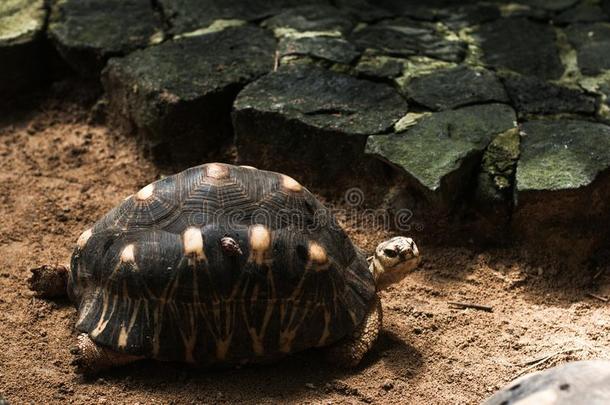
(155, 276)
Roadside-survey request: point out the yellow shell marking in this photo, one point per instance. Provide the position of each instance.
(122, 342)
(222, 347)
(216, 171)
(291, 184)
(128, 254)
(318, 259)
(326, 331)
(145, 193)
(83, 238)
(193, 243)
(125, 331)
(260, 241)
(286, 339)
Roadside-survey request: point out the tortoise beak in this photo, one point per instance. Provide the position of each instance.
(409, 252)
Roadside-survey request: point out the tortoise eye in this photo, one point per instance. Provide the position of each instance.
(390, 252)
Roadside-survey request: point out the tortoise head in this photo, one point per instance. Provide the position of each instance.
(393, 259)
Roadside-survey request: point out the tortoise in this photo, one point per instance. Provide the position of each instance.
(575, 383)
(222, 265)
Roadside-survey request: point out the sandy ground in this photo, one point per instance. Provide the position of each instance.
(58, 174)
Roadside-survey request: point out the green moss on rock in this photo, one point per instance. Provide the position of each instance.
(20, 20)
(521, 45)
(498, 167)
(562, 154)
(441, 150)
(22, 60)
(562, 188)
(455, 87)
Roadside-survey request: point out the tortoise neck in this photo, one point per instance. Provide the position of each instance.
(376, 270)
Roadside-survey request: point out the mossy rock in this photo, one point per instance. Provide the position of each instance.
(521, 45)
(178, 95)
(21, 47)
(562, 187)
(442, 151)
(88, 32)
(310, 122)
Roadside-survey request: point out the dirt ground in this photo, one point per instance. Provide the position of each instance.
(58, 174)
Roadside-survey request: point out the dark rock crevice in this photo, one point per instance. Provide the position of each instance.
(166, 22)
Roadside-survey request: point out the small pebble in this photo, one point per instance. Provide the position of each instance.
(388, 385)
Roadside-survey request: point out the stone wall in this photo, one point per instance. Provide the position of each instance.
(486, 118)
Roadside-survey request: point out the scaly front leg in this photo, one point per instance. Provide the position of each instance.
(91, 358)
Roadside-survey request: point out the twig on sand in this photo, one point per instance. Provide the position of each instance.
(598, 297)
(464, 305)
(540, 360)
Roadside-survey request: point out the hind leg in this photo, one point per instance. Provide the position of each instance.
(349, 351)
(90, 358)
(49, 281)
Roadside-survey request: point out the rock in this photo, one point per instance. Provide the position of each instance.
(388, 384)
(88, 32)
(363, 10)
(562, 155)
(21, 25)
(318, 18)
(442, 151)
(531, 95)
(325, 100)
(498, 166)
(454, 15)
(456, 87)
(606, 6)
(562, 184)
(301, 119)
(575, 383)
(379, 67)
(550, 5)
(521, 45)
(405, 37)
(492, 206)
(425, 11)
(583, 13)
(190, 15)
(178, 95)
(604, 111)
(466, 15)
(592, 43)
(334, 50)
